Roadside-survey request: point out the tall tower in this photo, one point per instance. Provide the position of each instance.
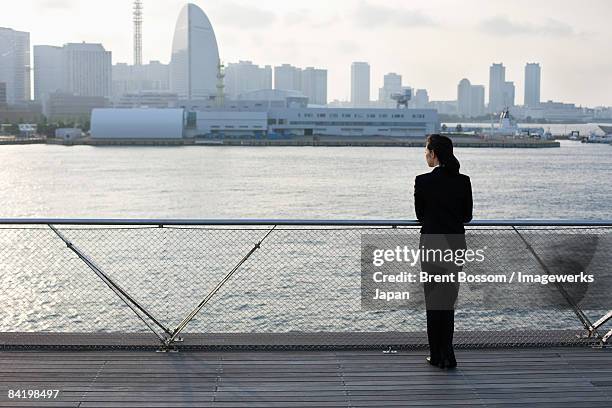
(137, 32)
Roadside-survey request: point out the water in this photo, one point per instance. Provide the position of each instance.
(294, 182)
(303, 281)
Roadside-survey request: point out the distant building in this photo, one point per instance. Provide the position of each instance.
(3, 100)
(147, 99)
(48, 71)
(533, 74)
(392, 84)
(477, 101)
(137, 123)
(497, 87)
(287, 78)
(153, 76)
(263, 99)
(311, 81)
(444, 107)
(314, 85)
(194, 66)
(360, 84)
(421, 99)
(508, 95)
(15, 65)
(231, 124)
(68, 107)
(87, 70)
(470, 99)
(245, 76)
(554, 112)
(22, 113)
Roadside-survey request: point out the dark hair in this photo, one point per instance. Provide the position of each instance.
(442, 146)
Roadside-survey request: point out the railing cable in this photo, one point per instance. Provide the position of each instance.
(579, 313)
(199, 307)
(120, 292)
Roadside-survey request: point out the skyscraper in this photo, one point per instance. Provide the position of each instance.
(87, 69)
(48, 71)
(15, 64)
(464, 98)
(314, 85)
(497, 86)
(153, 76)
(245, 76)
(532, 84)
(195, 61)
(360, 84)
(477, 99)
(287, 78)
(508, 95)
(470, 99)
(392, 83)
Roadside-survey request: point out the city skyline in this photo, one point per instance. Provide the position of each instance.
(542, 34)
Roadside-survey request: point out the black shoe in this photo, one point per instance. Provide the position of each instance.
(432, 362)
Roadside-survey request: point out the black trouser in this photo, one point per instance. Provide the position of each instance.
(440, 301)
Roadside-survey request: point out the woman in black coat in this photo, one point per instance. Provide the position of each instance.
(443, 204)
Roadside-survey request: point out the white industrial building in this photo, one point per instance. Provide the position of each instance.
(232, 124)
(137, 123)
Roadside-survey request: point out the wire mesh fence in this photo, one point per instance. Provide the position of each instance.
(299, 287)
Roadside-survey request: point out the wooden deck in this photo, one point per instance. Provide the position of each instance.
(535, 377)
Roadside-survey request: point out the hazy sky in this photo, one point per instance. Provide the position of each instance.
(431, 43)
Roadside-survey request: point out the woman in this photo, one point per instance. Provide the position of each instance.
(443, 203)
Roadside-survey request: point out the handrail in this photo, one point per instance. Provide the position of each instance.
(293, 222)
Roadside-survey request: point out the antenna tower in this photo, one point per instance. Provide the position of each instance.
(137, 32)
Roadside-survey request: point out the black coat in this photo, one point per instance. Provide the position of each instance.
(443, 202)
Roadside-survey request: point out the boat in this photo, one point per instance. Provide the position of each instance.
(594, 137)
(508, 127)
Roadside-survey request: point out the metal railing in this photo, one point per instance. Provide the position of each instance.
(268, 283)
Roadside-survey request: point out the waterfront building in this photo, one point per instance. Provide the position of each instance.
(194, 65)
(87, 70)
(392, 84)
(48, 71)
(231, 124)
(58, 106)
(533, 74)
(245, 76)
(360, 84)
(15, 65)
(147, 99)
(130, 79)
(137, 123)
(497, 87)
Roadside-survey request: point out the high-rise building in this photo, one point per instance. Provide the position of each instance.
(421, 98)
(2, 93)
(360, 84)
(497, 85)
(508, 95)
(153, 76)
(464, 98)
(477, 100)
(87, 69)
(48, 71)
(532, 85)
(245, 76)
(392, 84)
(194, 66)
(314, 85)
(311, 81)
(470, 99)
(287, 78)
(15, 64)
